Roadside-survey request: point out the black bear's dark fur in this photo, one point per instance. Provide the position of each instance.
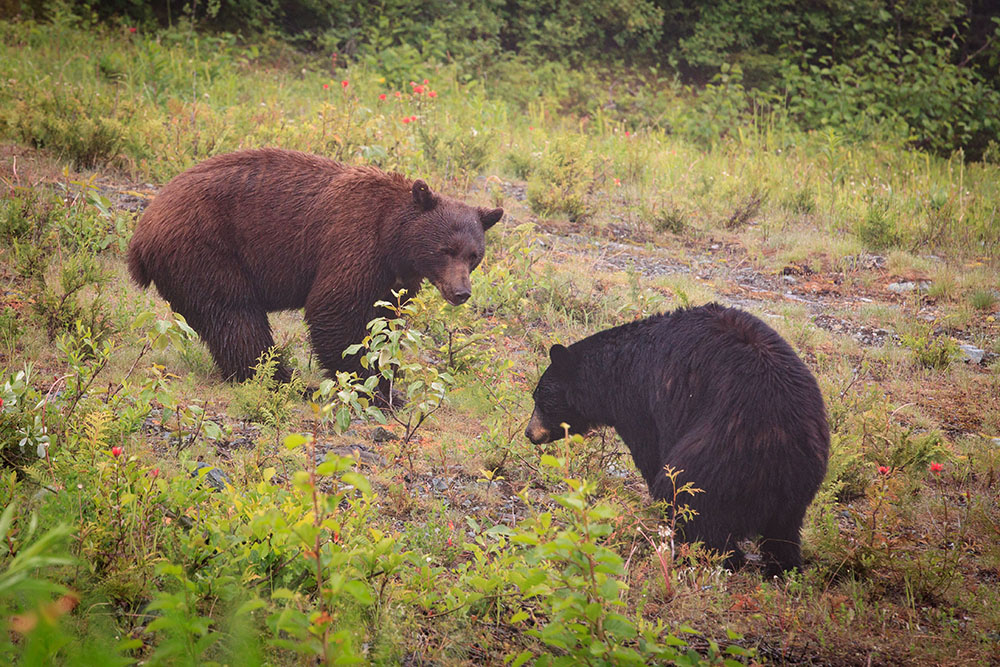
(712, 391)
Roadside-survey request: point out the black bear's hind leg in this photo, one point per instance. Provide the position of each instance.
(780, 555)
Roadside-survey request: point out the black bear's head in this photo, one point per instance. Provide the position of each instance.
(554, 400)
(450, 241)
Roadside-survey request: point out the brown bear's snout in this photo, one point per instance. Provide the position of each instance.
(454, 284)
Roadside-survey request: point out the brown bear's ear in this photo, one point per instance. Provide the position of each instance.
(563, 359)
(423, 196)
(490, 218)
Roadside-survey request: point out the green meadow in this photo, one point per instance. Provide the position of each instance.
(155, 514)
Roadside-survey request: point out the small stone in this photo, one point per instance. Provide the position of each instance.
(215, 477)
(789, 279)
(909, 286)
(380, 434)
(972, 353)
(995, 441)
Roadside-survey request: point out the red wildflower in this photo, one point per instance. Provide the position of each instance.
(936, 468)
(1, 403)
(406, 120)
(344, 83)
(413, 119)
(883, 470)
(432, 94)
(116, 451)
(626, 133)
(154, 473)
(132, 29)
(530, 128)
(417, 90)
(618, 182)
(426, 81)
(325, 86)
(382, 97)
(398, 94)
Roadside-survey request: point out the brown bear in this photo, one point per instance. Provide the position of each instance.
(713, 392)
(256, 231)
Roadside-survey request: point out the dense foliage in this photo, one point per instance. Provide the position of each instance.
(153, 513)
(928, 71)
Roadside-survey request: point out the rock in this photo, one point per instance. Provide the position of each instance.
(380, 434)
(996, 442)
(789, 279)
(909, 286)
(364, 454)
(972, 353)
(215, 477)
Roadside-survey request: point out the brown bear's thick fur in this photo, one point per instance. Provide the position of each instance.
(248, 233)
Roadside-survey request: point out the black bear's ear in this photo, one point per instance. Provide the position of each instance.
(423, 196)
(490, 218)
(562, 357)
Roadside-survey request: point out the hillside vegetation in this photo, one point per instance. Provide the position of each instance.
(154, 513)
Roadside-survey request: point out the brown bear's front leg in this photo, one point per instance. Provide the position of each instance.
(237, 338)
(336, 321)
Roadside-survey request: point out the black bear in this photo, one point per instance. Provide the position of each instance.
(247, 233)
(711, 391)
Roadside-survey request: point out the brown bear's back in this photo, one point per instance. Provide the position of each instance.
(271, 215)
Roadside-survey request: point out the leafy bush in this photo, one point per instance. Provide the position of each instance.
(562, 180)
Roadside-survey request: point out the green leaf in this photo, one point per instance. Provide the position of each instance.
(359, 591)
(358, 482)
(521, 658)
(551, 461)
(295, 440)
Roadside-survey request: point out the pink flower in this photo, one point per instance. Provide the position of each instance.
(1, 403)
(618, 182)
(344, 83)
(399, 94)
(154, 473)
(936, 468)
(406, 120)
(626, 133)
(325, 86)
(413, 119)
(382, 97)
(426, 81)
(432, 94)
(531, 128)
(132, 29)
(883, 470)
(417, 90)
(116, 451)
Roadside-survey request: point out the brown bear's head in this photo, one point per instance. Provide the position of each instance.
(447, 241)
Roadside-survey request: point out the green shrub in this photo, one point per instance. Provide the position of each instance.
(929, 351)
(877, 230)
(562, 180)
